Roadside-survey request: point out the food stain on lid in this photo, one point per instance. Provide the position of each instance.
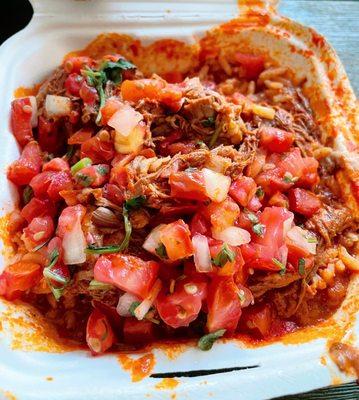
(167, 384)
(29, 331)
(139, 368)
(7, 395)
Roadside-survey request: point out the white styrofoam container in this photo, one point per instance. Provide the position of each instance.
(61, 26)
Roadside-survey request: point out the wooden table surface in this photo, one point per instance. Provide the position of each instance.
(338, 21)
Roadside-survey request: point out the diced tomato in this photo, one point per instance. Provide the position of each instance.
(51, 183)
(254, 204)
(293, 163)
(188, 185)
(273, 181)
(88, 94)
(241, 272)
(244, 221)
(257, 164)
(279, 200)
(62, 271)
(138, 332)
(93, 175)
(252, 64)
(180, 148)
(76, 63)
(73, 84)
(100, 151)
(200, 224)
(263, 250)
(113, 193)
(303, 202)
(176, 238)
(128, 273)
(56, 164)
(173, 77)
(310, 175)
(242, 190)
(171, 138)
(275, 140)
(68, 217)
(20, 118)
(38, 231)
(222, 215)
(18, 278)
(80, 136)
(119, 176)
(258, 319)
(55, 244)
(99, 334)
(51, 139)
(153, 89)
(27, 166)
(182, 306)
(230, 267)
(38, 208)
(174, 211)
(224, 306)
(112, 105)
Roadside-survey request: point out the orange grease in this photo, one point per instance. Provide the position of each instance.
(30, 331)
(167, 384)
(7, 250)
(138, 368)
(49, 378)
(7, 395)
(23, 91)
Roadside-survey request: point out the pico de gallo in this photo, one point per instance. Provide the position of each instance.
(201, 206)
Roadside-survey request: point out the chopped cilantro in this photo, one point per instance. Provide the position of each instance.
(133, 307)
(208, 122)
(225, 255)
(282, 267)
(260, 192)
(289, 178)
(103, 169)
(258, 229)
(135, 203)
(301, 266)
(161, 251)
(206, 342)
(83, 179)
(114, 70)
(27, 194)
(253, 218)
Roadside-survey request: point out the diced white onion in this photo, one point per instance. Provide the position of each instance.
(125, 120)
(300, 237)
(34, 111)
(283, 254)
(74, 244)
(233, 236)
(146, 304)
(202, 255)
(152, 241)
(57, 106)
(287, 225)
(216, 184)
(124, 304)
(245, 296)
